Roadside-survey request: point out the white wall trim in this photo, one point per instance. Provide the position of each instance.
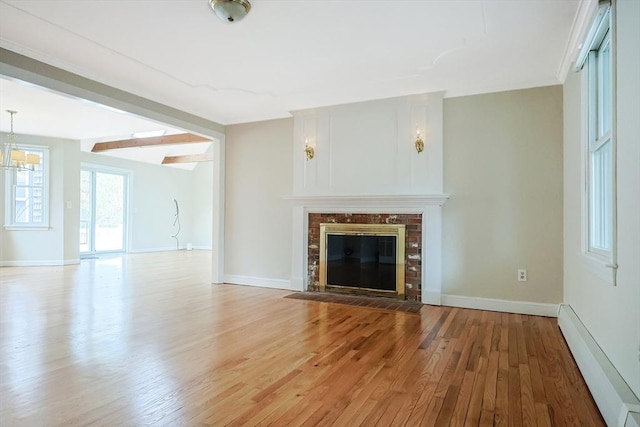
(39, 263)
(505, 306)
(581, 23)
(262, 282)
(148, 250)
(218, 211)
(612, 394)
(168, 249)
(431, 298)
(375, 202)
(202, 248)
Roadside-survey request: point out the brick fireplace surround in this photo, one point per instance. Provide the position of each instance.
(413, 245)
(421, 214)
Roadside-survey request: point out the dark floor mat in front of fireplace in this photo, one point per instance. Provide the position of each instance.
(361, 301)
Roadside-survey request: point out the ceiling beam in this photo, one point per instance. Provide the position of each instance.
(181, 138)
(188, 158)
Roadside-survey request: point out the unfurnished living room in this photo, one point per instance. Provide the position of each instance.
(305, 212)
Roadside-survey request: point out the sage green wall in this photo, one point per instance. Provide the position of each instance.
(503, 168)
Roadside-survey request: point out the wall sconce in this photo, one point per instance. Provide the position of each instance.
(308, 150)
(419, 142)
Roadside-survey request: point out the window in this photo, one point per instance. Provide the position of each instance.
(26, 193)
(600, 143)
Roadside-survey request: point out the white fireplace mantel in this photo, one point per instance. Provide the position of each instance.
(365, 202)
(429, 206)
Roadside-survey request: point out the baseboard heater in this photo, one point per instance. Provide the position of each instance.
(618, 404)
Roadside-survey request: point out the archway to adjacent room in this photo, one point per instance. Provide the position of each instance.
(34, 72)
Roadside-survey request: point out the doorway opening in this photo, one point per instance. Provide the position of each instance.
(103, 211)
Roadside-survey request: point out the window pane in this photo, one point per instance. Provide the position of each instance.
(37, 177)
(85, 195)
(26, 192)
(37, 205)
(601, 197)
(21, 193)
(22, 177)
(109, 215)
(22, 211)
(85, 210)
(605, 56)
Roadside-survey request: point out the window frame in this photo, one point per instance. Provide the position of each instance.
(10, 193)
(600, 185)
(600, 225)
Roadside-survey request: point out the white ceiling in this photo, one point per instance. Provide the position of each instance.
(285, 55)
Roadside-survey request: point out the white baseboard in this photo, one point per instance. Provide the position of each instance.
(39, 263)
(505, 306)
(167, 249)
(297, 284)
(431, 298)
(149, 250)
(257, 281)
(614, 398)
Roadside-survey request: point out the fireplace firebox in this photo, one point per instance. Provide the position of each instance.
(363, 258)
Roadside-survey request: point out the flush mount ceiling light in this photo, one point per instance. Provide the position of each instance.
(230, 10)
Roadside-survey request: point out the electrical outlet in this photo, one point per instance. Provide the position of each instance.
(522, 275)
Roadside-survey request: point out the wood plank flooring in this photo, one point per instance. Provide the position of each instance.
(145, 340)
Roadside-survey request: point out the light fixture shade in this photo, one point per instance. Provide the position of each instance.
(230, 10)
(18, 156)
(33, 159)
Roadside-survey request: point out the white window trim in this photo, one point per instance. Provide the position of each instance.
(602, 263)
(9, 204)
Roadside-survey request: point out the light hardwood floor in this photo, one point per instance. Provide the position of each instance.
(145, 340)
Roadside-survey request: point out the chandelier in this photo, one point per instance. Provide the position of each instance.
(13, 158)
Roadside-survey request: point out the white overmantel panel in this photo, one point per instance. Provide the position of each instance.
(368, 148)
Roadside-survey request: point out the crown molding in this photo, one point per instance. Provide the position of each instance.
(581, 23)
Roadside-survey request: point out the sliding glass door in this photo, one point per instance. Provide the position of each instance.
(103, 196)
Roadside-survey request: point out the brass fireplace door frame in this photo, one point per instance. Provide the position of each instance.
(394, 230)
